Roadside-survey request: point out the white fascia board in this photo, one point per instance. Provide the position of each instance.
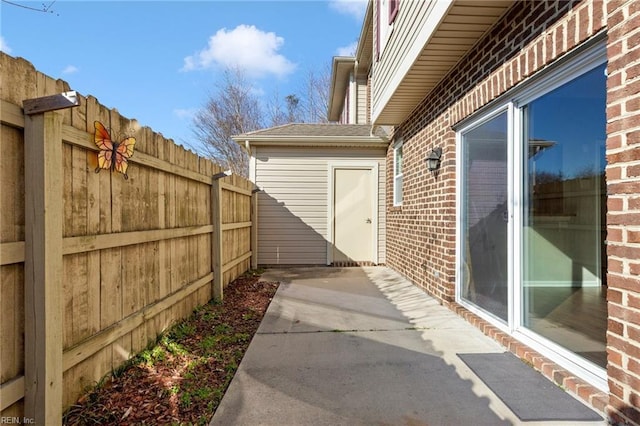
(321, 141)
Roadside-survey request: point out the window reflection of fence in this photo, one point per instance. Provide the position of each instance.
(99, 265)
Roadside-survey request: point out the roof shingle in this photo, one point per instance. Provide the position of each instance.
(323, 129)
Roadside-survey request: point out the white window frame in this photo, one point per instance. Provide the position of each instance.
(398, 193)
(385, 25)
(569, 68)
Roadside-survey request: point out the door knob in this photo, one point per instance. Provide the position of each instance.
(368, 220)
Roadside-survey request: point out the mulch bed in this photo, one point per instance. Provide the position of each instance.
(182, 379)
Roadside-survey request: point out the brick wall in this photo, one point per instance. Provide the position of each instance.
(623, 220)
(532, 35)
(421, 232)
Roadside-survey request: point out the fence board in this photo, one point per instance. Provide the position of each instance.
(12, 181)
(14, 252)
(12, 321)
(136, 254)
(43, 267)
(11, 253)
(11, 114)
(11, 392)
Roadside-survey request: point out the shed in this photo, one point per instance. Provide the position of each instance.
(322, 193)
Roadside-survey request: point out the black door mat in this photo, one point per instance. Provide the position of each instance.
(525, 391)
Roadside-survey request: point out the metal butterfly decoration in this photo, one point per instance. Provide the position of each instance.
(113, 155)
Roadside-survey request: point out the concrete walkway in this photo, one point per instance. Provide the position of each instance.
(361, 346)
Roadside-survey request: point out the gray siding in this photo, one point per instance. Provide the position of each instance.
(293, 209)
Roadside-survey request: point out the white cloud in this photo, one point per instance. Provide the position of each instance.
(185, 113)
(70, 69)
(349, 50)
(4, 47)
(355, 8)
(246, 47)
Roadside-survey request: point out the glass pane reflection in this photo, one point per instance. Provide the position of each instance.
(564, 296)
(485, 190)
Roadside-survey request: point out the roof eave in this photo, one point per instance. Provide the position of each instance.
(400, 98)
(341, 67)
(306, 141)
(366, 32)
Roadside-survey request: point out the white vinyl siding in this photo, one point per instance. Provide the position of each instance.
(292, 206)
(412, 27)
(362, 102)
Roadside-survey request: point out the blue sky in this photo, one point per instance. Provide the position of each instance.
(157, 61)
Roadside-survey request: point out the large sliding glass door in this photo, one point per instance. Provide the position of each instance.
(532, 210)
(485, 216)
(564, 298)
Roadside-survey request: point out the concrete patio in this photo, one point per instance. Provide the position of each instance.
(362, 346)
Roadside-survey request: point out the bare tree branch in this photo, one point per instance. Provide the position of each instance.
(232, 110)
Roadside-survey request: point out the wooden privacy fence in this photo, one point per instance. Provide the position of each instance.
(92, 266)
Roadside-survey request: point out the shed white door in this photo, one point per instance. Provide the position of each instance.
(353, 215)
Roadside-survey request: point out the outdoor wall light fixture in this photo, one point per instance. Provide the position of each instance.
(222, 175)
(433, 159)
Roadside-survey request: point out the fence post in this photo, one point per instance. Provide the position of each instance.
(216, 238)
(254, 229)
(43, 267)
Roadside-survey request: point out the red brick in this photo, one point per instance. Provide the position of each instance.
(614, 78)
(624, 219)
(634, 268)
(624, 91)
(633, 138)
(634, 203)
(583, 23)
(614, 111)
(624, 314)
(633, 236)
(614, 173)
(623, 283)
(615, 204)
(616, 389)
(614, 235)
(632, 105)
(634, 366)
(633, 302)
(633, 333)
(613, 5)
(599, 401)
(629, 187)
(626, 347)
(423, 229)
(614, 296)
(615, 327)
(614, 49)
(585, 392)
(598, 15)
(632, 71)
(571, 383)
(614, 357)
(615, 18)
(622, 377)
(621, 412)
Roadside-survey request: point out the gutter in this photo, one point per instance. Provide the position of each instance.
(306, 141)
